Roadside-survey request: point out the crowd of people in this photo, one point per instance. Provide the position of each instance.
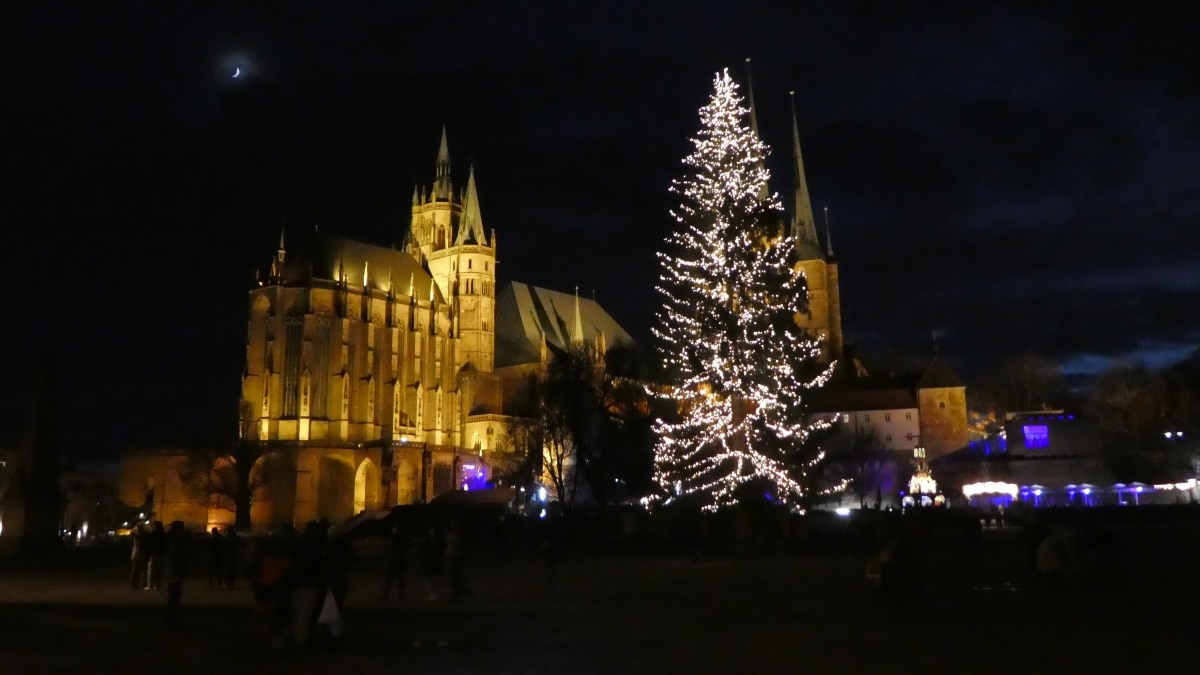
(299, 579)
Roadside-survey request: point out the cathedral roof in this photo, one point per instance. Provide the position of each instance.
(525, 313)
(841, 399)
(939, 375)
(324, 255)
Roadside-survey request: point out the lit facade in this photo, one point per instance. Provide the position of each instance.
(370, 376)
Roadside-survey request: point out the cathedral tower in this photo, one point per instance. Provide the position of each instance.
(819, 267)
(447, 236)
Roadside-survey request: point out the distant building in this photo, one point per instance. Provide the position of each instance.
(377, 375)
(89, 506)
(1048, 458)
(926, 409)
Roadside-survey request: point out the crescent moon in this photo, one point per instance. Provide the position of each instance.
(237, 72)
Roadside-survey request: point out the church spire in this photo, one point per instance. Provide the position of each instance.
(280, 255)
(764, 192)
(441, 183)
(828, 239)
(803, 228)
(470, 224)
(577, 329)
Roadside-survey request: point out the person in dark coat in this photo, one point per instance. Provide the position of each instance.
(307, 579)
(175, 562)
(216, 557)
(432, 551)
(397, 562)
(156, 546)
(139, 558)
(233, 555)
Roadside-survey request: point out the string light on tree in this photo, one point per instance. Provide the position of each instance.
(727, 329)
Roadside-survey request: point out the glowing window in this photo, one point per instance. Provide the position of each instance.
(1036, 436)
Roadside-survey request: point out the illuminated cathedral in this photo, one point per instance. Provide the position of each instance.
(372, 375)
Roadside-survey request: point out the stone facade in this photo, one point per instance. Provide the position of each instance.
(943, 419)
(371, 374)
(824, 318)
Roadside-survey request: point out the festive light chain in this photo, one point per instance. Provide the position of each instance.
(730, 293)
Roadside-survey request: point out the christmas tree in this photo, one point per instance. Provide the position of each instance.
(742, 367)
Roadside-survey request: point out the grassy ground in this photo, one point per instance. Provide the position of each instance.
(640, 615)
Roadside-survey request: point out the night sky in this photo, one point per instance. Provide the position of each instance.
(1015, 180)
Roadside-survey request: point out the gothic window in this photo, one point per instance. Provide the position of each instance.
(942, 404)
(397, 397)
(320, 368)
(485, 265)
(346, 396)
(370, 400)
(889, 438)
(420, 408)
(293, 343)
(867, 417)
(266, 399)
(887, 417)
(305, 393)
(907, 417)
(438, 412)
(468, 263)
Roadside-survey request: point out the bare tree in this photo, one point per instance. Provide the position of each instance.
(858, 455)
(1024, 382)
(229, 477)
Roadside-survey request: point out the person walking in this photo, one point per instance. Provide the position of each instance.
(431, 560)
(308, 581)
(232, 557)
(139, 558)
(156, 543)
(397, 562)
(175, 560)
(216, 557)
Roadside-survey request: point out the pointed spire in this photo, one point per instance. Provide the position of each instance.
(470, 224)
(416, 196)
(390, 286)
(577, 328)
(441, 183)
(803, 228)
(750, 100)
(411, 288)
(828, 239)
(764, 192)
(366, 277)
(280, 255)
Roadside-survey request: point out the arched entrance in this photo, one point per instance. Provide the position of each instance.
(273, 501)
(366, 487)
(335, 492)
(407, 488)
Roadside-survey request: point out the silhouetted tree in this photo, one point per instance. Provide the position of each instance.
(859, 457)
(1022, 382)
(229, 476)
